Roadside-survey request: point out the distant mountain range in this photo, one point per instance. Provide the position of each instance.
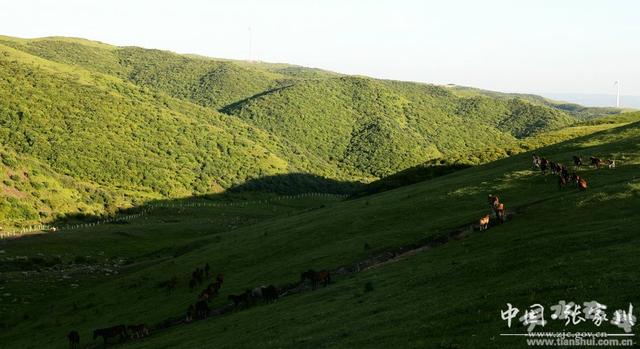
(595, 100)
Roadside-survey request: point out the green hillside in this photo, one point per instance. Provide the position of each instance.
(133, 124)
(583, 245)
(576, 110)
(118, 136)
(379, 127)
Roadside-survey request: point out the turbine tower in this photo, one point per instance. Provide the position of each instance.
(617, 83)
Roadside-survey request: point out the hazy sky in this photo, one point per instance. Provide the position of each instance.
(519, 46)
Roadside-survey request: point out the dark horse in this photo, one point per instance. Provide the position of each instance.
(270, 293)
(316, 277)
(139, 331)
(240, 299)
(202, 309)
(119, 331)
(577, 161)
(74, 339)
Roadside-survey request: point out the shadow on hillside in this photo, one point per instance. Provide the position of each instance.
(290, 184)
(428, 170)
(265, 187)
(231, 107)
(296, 183)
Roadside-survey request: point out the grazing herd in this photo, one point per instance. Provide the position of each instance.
(547, 166)
(200, 309)
(267, 294)
(562, 171)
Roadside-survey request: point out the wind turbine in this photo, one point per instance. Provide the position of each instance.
(617, 83)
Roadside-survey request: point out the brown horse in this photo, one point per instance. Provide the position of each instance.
(582, 184)
(119, 331)
(74, 339)
(493, 201)
(595, 162)
(501, 213)
(484, 222)
(316, 278)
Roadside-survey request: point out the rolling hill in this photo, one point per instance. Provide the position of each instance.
(124, 125)
(579, 246)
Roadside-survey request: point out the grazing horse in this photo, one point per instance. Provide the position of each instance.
(74, 339)
(119, 331)
(611, 163)
(204, 295)
(207, 269)
(564, 172)
(139, 331)
(562, 181)
(484, 222)
(270, 294)
(544, 163)
(192, 284)
(577, 161)
(202, 309)
(191, 311)
(552, 167)
(316, 278)
(213, 289)
(501, 213)
(536, 161)
(239, 299)
(582, 184)
(595, 162)
(493, 201)
(559, 167)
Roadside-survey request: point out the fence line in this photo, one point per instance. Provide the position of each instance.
(151, 207)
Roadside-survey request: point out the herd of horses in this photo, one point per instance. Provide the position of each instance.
(562, 171)
(547, 166)
(200, 309)
(270, 293)
(118, 332)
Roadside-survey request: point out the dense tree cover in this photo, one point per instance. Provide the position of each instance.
(205, 82)
(118, 136)
(375, 128)
(121, 124)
